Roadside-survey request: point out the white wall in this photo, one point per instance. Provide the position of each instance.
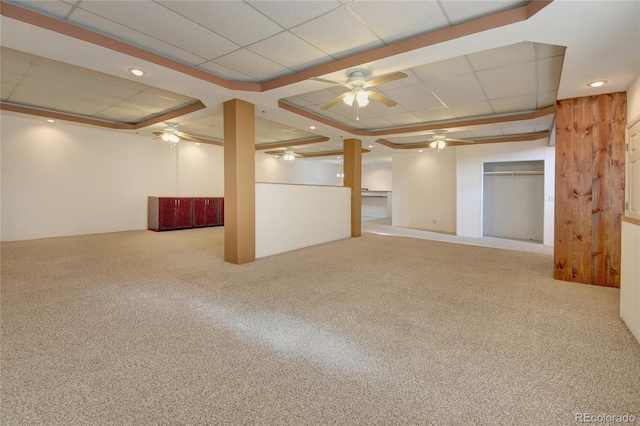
(633, 101)
(68, 179)
(470, 160)
(289, 217)
(377, 177)
(301, 171)
(424, 190)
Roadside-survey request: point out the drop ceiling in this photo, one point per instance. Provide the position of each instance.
(504, 62)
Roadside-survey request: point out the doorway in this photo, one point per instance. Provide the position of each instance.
(513, 200)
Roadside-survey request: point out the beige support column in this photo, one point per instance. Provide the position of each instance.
(239, 182)
(353, 179)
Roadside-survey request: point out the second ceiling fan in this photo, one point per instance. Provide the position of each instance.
(359, 93)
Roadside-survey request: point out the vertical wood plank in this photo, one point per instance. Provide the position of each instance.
(563, 197)
(615, 188)
(582, 190)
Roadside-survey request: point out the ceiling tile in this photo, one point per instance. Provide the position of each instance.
(279, 49)
(15, 66)
(10, 77)
(503, 56)
(472, 109)
(375, 123)
(319, 97)
(515, 104)
(287, 16)
(460, 89)
(164, 24)
(225, 72)
(514, 80)
(403, 119)
(442, 69)
(56, 9)
(547, 99)
(435, 114)
(338, 34)
(410, 18)
(382, 110)
(549, 50)
(234, 20)
(253, 65)
(466, 10)
(414, 98)
(549, 71)
(298, 101)
(112, 29)
(516, 129)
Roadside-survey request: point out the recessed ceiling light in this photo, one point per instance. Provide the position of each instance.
(51, 121)
(419, 150)
(137, 72)
(312, 127)
(370, 146)
(597, 83)
(198, 143)
(339, 156)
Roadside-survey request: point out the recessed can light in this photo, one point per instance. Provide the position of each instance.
(137, 72)
(597, 83)
(312, 127)
(370, 146)
(51, 121)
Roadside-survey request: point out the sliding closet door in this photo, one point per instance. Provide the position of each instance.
(513, 200)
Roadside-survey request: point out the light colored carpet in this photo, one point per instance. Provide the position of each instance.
(146, 328)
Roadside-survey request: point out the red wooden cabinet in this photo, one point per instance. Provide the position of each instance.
(207, 212)
(167, 213)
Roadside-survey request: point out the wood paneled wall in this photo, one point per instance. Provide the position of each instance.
(589, 198)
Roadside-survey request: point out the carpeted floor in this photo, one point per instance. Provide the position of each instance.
(142, 328)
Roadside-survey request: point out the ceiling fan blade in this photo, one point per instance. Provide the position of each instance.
(386, 78)
(380, 98)
(335, 101)
(324, 80)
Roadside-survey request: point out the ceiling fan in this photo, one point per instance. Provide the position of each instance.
(440, 139)
(289, 155)
(359, 93)
(173, 136)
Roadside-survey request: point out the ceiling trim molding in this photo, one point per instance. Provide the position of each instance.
(475, 26)
(316, 117)
(284, 144)
(100, 123)
(508, 138)
(436, 125)
(316, 154)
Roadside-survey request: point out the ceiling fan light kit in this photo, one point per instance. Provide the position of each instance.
(358, 95)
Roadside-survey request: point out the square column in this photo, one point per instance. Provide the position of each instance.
(239, 182)
(353, 179)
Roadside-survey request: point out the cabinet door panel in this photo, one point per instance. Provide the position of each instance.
(183, 213)
(167, 213)
(200, 212)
